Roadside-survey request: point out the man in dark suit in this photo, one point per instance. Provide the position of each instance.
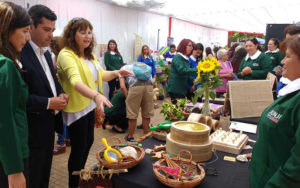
(46, 97)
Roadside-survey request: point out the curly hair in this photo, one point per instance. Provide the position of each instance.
(78, 24)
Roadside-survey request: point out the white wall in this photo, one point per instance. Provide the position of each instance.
(119, 23)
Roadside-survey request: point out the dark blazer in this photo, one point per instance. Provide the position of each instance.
(41, 122)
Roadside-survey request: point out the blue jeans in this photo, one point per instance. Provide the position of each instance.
(62, 137)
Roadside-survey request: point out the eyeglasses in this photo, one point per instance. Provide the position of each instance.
(76, 20)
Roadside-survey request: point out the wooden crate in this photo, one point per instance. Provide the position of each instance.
(223, 146)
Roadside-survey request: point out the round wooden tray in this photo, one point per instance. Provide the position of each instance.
(188, 165)
(127, 162)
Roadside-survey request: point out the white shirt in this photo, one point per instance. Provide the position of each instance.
(193, 58)
(69, 118)
(184, 56)
(275, 51)
(290, 87)
(39, 52)
(254, 56)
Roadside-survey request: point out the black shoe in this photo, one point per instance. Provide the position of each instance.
(140, 126)
(118, 131)
(129, 139)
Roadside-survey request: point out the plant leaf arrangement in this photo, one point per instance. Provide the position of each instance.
(171, 111)
(207, 76)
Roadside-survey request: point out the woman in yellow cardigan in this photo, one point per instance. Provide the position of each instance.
(81, 76)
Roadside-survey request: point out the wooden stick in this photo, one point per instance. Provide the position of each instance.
(142, 138)
(104, 171)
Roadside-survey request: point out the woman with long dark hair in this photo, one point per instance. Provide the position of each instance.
(14, 151)
(113, 61)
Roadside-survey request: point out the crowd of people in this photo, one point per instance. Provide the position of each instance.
(36, 102)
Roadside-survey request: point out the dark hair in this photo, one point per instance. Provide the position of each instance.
(172, 46)
(116, 49)
(238, 56)
(37, 12)
(231, 50)
(292, 29)
(294, 45)
(255, 42)
(216, 49)
(142, 51)
(208, 51)
(12, 17)
(276, 42)
(56, 44)
(78, 24)
(182, 46)
(199, 46)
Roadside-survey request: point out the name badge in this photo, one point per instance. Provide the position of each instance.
(255, 65)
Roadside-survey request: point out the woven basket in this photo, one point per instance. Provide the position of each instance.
(188, 165)
(127, 162)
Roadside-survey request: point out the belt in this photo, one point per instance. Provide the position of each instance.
(142, 84)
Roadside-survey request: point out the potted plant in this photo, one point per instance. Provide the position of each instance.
(171, 112)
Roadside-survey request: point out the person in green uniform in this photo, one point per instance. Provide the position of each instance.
(116, 115)
(14, 151)
(113, 61)
(274, 53)
(256, 65)
(181, 73)
(276, 155)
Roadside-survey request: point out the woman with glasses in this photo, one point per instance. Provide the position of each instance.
(81, 77)
(14, 151)
(181, 74)
(256, 65)
(113, 61)
(146, 58)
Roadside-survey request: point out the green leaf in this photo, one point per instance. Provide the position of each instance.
(212, 95)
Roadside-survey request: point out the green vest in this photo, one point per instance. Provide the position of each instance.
(260, 67)
(276, 154)
(180, 75)
(112, 62)
(276, 58)
(119, 106)
(13, 122)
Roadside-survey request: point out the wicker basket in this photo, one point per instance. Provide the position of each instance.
(127, 162)
(186, 164)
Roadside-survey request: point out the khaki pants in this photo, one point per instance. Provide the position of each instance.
(139, 96)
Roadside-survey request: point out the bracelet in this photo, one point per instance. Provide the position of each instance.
(94, 98)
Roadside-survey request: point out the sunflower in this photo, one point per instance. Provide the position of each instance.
(198, 74)
(207, 66)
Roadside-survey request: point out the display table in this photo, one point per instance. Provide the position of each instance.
(230, 174)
